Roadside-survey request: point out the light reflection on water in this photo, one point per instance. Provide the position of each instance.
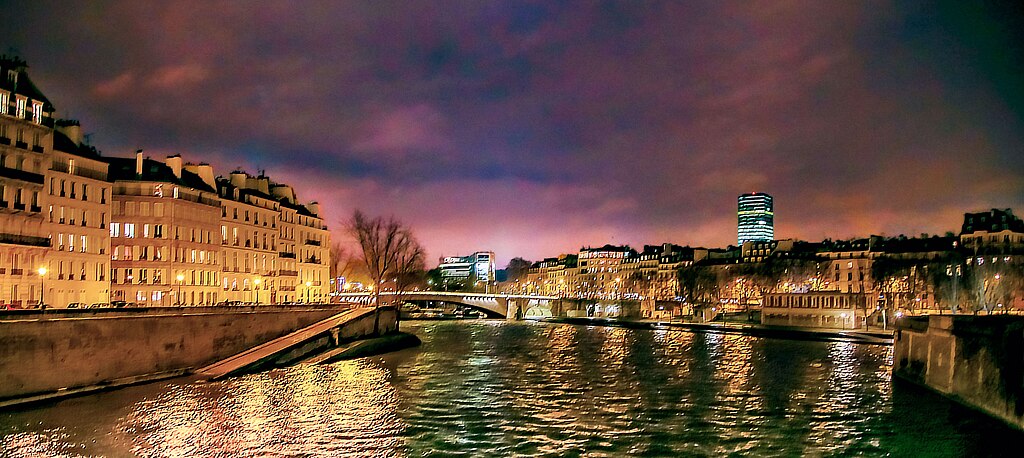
(512, 389)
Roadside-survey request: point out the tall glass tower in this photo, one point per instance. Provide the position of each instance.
(756, 217)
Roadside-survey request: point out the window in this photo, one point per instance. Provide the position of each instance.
(83, 244)
(145, 231)
(116, 253)
(158, 231)
(115, 229)
(20, 111)
(129, 230)
(4, 100)
(71, 166)
(37, 112)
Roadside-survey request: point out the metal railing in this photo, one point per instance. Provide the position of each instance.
(27, 240)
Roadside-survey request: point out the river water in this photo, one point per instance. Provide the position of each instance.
(495, 388)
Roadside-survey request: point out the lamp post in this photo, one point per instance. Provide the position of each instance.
(42, 273)
(257, 283)
(308, 284)
(181, 278)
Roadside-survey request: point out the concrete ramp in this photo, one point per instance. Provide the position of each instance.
(297, 345)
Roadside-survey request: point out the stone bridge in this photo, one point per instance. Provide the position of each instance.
(511, 306)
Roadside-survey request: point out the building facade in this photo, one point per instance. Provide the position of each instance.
(165, 234)
(78, 211)
(755, 217)
(26, 139)
(477, 267)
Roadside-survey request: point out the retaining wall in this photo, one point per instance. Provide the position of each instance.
(52, 353)
(976, 360)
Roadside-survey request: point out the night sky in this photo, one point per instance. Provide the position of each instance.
(534, 128)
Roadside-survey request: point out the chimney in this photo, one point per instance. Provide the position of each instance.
(238, 179)
(314, 208)
(138, 162)
(70, 128)
(283, 192)
(174, 162)
(263, 184)
(205, 172)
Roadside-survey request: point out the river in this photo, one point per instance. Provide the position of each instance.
(496, 388)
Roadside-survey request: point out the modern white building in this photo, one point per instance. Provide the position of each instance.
(756, 218)
(479, 266)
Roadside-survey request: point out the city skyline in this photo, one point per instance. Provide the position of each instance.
(534, 129)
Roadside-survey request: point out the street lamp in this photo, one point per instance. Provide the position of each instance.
(42, 273)
(257, 283)
(308, 284)
(181, 278)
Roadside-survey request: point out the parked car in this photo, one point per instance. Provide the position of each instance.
(76, 305)
(118, 304)
(99, 305)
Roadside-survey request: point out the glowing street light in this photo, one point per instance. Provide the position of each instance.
(42, 273)
(180, 278)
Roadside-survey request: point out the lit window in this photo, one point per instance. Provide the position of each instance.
(115, 229)
(129, 230)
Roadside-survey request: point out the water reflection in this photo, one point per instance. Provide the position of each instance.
(513, 389)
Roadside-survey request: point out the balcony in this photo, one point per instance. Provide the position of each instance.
(286, 254)
(312, 260)
(35, 208)
(288, 273)
(5, 141)
(312, 242)
(17, 271)
(21, 145)
(19, 206)
(37, 148)
(27, 240)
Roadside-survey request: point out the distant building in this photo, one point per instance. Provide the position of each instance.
(479, 266)
(992, 231)
(756, 218)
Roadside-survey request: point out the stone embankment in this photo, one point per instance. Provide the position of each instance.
(976, 360)
(51, 354)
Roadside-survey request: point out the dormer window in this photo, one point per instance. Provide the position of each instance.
(5, 99)
(12, 76)
(37, 112)
(20, 110)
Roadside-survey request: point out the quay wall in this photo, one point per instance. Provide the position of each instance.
(53, 352)
(976, 360)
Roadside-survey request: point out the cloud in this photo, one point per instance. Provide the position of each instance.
(116, 86)
(171, 77)
(409, 129)
(532, 129)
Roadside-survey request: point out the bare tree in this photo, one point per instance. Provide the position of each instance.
(391, 254)
(346, 263)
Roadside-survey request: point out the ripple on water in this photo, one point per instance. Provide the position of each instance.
(526, 389)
